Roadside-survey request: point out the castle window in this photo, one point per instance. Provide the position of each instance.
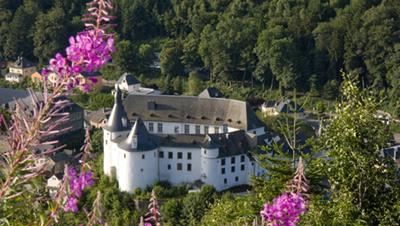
(236, 178)
(151, 126)
(225, 128)
(142, 156)
(205, 129)
(242, 158)
(242, 167)
(222, 162)
(161, 154)
(159, 127)
(141, 170)
(232, 169)
(179, 166)
(106, 141)
(186, 129)
(216, 129)
(179, 155)
(124, 156)
(176, 129)
(233, 160)
(189, 155)
(170, 155)
(189, 167)
(205, 151)
(225, 181)
(222, 170)
(169, 166)
(197, 129)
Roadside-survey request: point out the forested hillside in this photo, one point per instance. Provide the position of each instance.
(274, 44)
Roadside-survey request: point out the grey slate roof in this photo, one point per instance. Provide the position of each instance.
(211, 92)
(188, 109)
(118, 119)
(181, 140)
(7, 95)
(234, 143)
(129, 78)
(90, 74)
(145, 140)
(288, 106)
(22, 62)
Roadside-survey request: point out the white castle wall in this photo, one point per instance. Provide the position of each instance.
(168, 167)
(110, 147)
(136, 169)
(169, 128)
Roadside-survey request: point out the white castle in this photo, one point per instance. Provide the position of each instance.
(181, 139)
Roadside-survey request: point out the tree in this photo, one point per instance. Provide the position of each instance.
(363, 184)
(50, 34)
(170, 62)
(195, 205)
(18, 35)
(190, 57)
(125, 56)
(171, 212)
(194, 84)
(331, 90)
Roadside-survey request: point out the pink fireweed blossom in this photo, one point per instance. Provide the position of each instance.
(285, 210)
(76, 186)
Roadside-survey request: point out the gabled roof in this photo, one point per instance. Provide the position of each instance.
(7, 95)
(90, 74)
(118, 120)
(128, 78)
(211, 92)
(288, 106)
(145, 141)
(22, 62)
(188, 109)
(229, 144)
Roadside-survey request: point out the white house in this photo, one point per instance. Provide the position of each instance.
(182, 140)
(53, 184)
(19, 70)
(130, 84)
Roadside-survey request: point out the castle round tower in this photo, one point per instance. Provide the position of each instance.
(137, 159)
(209, 163)
(116, 126)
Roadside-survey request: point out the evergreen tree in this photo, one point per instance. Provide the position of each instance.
(363, 184)
(50, 34)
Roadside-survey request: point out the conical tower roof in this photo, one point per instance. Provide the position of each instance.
(118, 120)
(144, 140)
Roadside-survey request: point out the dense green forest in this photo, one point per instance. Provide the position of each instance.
(291, 44)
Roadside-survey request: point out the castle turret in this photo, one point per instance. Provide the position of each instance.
(137, 164)
(117, 125)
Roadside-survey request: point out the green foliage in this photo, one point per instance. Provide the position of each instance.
(195, 205)
(171, 211)
(363, 184)
(228, 210)
(95, 100)
(195, 85)
(50, 34)
(170, 62)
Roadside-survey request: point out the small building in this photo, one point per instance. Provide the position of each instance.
(96, 119)
(19, 70)
(130, 84)
(286, 106)
(54, 183)
(211, 92)
(393, 152)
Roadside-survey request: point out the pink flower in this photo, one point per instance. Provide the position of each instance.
(285, 209)
(71, 205)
